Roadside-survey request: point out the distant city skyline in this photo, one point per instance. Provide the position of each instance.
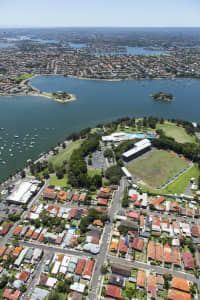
(91, 13)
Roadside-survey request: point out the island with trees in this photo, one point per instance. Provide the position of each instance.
(60, 96)
(161, 96)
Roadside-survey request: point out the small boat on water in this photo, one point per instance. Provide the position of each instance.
(16, 136)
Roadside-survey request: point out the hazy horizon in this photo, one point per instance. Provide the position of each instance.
(89, 13)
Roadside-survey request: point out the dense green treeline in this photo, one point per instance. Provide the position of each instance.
(77, 170)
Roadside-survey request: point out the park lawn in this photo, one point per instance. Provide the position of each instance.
(177, 132)
(157, 167)
(58, 182)
(25, 76)
(92, 173)
(65, 154)
(177, 186)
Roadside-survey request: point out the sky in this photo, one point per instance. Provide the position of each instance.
(100, 13)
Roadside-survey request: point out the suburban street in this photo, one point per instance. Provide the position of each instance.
(100, 258)
(150, 268)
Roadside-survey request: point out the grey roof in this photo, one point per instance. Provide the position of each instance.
(39, 294)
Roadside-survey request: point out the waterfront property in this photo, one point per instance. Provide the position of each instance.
(93, 96)
(138, 149)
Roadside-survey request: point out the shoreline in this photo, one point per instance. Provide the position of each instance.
(37, 93)
(44, 95)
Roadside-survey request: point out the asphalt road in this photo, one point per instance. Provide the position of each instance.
(115, 205)
(52, 249)
(34, 278)
(150, 268)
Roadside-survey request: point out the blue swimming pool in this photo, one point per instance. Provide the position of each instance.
(72, 228)
(139, 135)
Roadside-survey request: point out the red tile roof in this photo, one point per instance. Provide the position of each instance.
(98, 223)
(167, 254)
(72, 213)
(176, 256)
(141, 221)
(50, 195)
(62, 195)
(141, 278)
(80, 266)
(17, 251)
(188, 260)
(17, 230)
(156, 221)
(180, 284)
(159, 253)
(2, 250)
(113, 291)
(23, 275)
(102, 201)
(133, 215)
(177, 295)
(151, 250)
(54, 209)
(123, 247)
(195, 231)
(157, 201)
(88, 269)
(6, 228)
(9, 294)
(152, 285)
(137, 244)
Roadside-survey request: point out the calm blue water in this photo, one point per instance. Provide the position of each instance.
(143, 51)
(77, 45)
(41, 123)
(130, 50)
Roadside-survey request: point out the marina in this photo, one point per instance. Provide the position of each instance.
(48, 122)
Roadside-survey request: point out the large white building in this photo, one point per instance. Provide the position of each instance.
(139, 148)
(23, 192)
(118, 137)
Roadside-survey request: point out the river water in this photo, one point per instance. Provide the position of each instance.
(33, 125)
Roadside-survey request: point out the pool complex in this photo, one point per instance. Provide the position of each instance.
(140, 135)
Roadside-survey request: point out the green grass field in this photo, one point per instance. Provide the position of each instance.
(157, 167)
(177, 186)
(23, 77)
(92, 173)
(177, 132)
(65, 153)
(58, 182)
